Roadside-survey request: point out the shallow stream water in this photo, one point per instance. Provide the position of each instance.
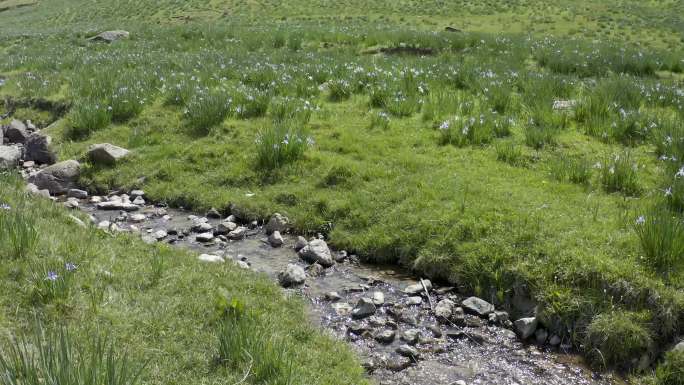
(475, 352)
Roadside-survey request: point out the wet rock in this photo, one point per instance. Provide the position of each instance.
(16, 132)
(139, 201)
(200, 226)
(541, 335)
(104, 225)
(58, 178)
(378, 298)
(277, 223)
(204, 237)
(301, 243)
(418, 288)
(399, 363)
(317, 251)
(37, 149)
(213, 213)
(275, 239)
(293, 275)
(341, 256)
(357, 328)
(363, 308)
(160, 234)
(525, 327)
(411, 336)
(238, 233)
(137, 218)
(385, 336)
(332, 296)
(414, 301)
(407, 351)
(408, 318)
(76, 193)
(498, 317)
(436, 330)
(211, 258)
(28, 164)
(444, 309)
(107, 154)
(377, 321)
(477, 306)
(9, 157)
(137, 193)
(243, 265)
(315, 270)
(342, 308)
(225, 227)
(110, 36)
(71, 203)
(554, 340)
(679, 347)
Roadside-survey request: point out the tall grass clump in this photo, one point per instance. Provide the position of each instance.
(339, 90)
(380, 120)
(252, 103)
(259, 353)
(206, 110)
(509, 152)
(567, 169)
(87, 116)
(619, 174)
(48, 357)
(18, 233)
(281, 143)
(671, 371)
(439, 104)
(661, 236)
(289, 109)
(617, 339)
(474, 130)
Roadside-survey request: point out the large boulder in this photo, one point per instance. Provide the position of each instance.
(9, 157)
(277, 223)
(105, 153)
(37, 149)
(110, 36)
(477, 306)
(526, 326)
(292, 276)
(317, 251)
(58, 178)
(16, 132)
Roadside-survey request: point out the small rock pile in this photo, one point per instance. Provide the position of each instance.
(21, 143)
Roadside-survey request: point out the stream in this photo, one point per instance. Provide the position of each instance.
(472, 351)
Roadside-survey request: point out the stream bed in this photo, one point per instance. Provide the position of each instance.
(402, 342)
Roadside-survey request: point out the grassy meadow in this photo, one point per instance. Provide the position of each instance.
(538, 151)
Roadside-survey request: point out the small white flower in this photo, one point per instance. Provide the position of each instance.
(668, 192)
(641, 220)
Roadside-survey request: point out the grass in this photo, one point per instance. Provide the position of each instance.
(114, 310)
(454, 131)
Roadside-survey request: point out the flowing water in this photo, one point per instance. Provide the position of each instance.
(474, 352)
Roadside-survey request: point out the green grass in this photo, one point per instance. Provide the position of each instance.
(453, 164)
(153, 309)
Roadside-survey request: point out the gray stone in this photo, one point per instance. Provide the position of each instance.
(137, 218)
(407, 351)
(364, 308)
(418, 287)
(315, 270)
(71, 203)
(107, 154)
(498, 317)
(414, 301)
(58, 178)
(137, 193)
(238, 233)
(561, 105)
(76, 193)
(213, 213)
(385, 336)
(333, 296)
(160, 234)
(16, 132)
(477, 306)
(444, 309)
(378, 298)
(211, 258)
(554, 340)
(104, 225)
(139, 201)
(37, 149)
(301, 243)
(317, 251)
(226, 227)
(411, 336)
(541, 335)
(111, 36)
(275, 239)
(342, 308)
(277, 223)
(201, 227)
(243, 265)
(9, 157)
(204, 237)
(526, 326)
(679, 347)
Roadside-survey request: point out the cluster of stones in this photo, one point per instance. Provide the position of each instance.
(21, 143)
